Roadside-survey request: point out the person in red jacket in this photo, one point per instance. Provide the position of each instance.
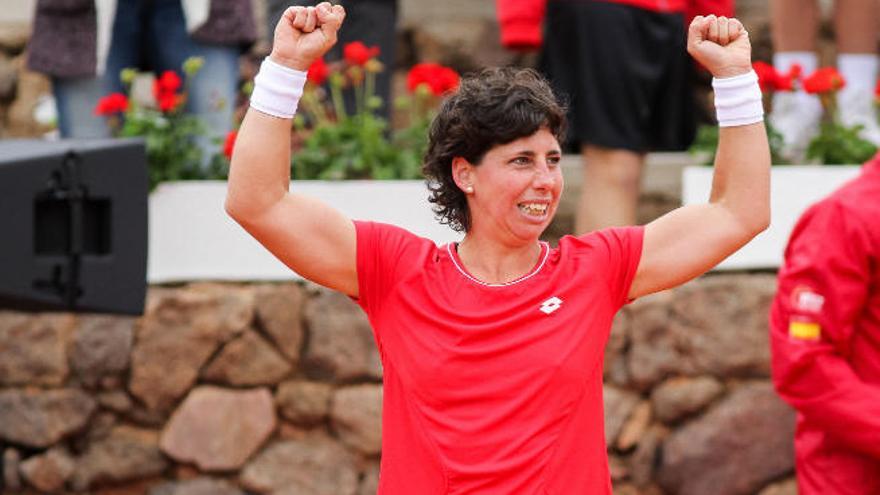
(622, 65)
(825, 338)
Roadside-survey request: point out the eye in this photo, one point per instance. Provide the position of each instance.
(521, 161)
(553, 160)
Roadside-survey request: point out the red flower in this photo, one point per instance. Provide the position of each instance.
(438, 78)
(767, 75)
(357, 53)
(111, 104)
(877, 92)
(785, 82)
(168, 102)
(169, 82)
(318, 72)
(229, 144)
(165, 91)
(824, 80)
(771, 79)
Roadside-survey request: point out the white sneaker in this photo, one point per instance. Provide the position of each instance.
(857, 107)
(796, 117)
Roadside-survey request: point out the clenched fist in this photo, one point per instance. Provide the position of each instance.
(721, 45)
(304, 34)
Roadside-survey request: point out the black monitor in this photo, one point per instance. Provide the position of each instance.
(73, 225)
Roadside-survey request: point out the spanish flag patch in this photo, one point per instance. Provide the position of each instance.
(804, 330)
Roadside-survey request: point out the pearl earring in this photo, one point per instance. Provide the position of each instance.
(469, 189)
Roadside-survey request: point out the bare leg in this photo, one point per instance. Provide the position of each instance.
(610, 189)
(794, 24)
(856, 25)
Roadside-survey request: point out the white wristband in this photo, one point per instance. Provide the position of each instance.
(738, 100)
(277, 89)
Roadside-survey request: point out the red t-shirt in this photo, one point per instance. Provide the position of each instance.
(493, 389)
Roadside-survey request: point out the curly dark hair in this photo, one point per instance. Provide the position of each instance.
(492, 107)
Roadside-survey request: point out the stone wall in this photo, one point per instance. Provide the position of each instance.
(276, 388)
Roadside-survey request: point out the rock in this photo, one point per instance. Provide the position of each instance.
(11, 462)
(49, 471)
(279, 313)
(147, 417)
(786, 487)
(341, 344)
(126, 454)
(370, 481)
(316, 465)
(650, 351)
(635, 426)
(179, 332)
(615, 350)
(33, 348)
(247, 360)
(136, 487)
(115, 400)
(101, 346)
(680, 397)
(619, 404)
(617, 469)
(197, 486)
(40, 418)
(736, 448)
(219, 429)
(726, 318)
(304, 403)
(644, 459)
(100, 427)
(357, 417)
(716, 325)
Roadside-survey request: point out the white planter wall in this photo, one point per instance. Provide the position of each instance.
(192, 238)
(793, 189)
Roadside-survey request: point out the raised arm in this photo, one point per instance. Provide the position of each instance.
(692, 239)
(310, 237)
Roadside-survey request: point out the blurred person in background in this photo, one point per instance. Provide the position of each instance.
(623, 67)
(795, 25)
(825, 338)
(83, 45)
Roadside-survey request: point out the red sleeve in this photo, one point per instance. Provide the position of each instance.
(823, 287)
(521, 22)
(381, 257)
(622, 251)
(706, 7)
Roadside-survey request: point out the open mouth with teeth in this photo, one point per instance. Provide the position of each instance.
(533, 209)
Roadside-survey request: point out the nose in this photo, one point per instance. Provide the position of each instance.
(545, 176)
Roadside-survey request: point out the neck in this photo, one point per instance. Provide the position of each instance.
(496, 263)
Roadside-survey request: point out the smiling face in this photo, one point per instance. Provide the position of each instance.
(515, 188)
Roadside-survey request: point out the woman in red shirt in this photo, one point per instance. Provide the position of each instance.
(492, 347)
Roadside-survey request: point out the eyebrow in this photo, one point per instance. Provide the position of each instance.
(532, 153)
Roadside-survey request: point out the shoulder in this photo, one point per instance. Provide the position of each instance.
(391, 243)
(385, 232)
(603, 241)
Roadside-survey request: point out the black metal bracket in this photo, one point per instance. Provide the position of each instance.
(64, 185)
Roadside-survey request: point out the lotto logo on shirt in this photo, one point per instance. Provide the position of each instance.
(550, 305)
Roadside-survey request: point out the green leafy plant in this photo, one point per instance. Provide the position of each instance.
(835, 143)
(169, 132)
(360, 145)
(705, 144)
